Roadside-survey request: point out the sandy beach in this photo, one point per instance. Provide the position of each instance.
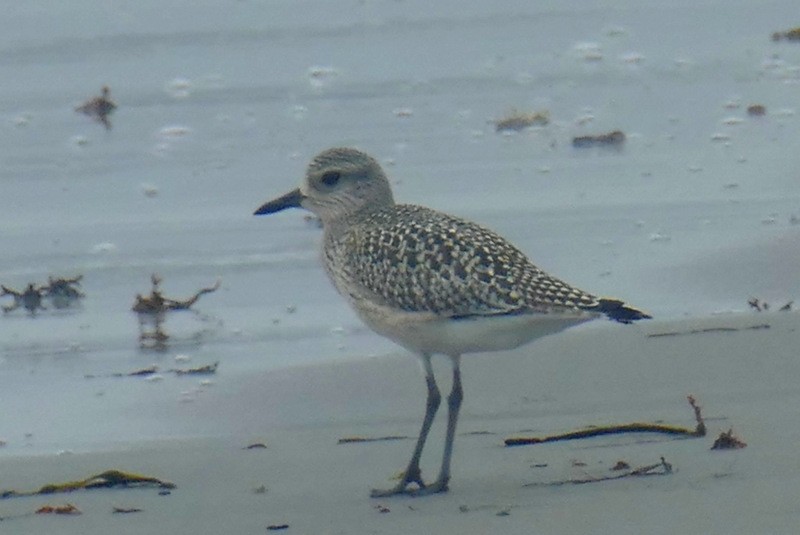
(689, 215)
(315, 485)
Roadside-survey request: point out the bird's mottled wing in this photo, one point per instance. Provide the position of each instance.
(419, 260)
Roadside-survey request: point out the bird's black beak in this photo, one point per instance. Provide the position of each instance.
(290, 200)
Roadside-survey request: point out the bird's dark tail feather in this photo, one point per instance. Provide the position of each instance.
(619, 311)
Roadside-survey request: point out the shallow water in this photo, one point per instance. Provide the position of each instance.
(221, 106)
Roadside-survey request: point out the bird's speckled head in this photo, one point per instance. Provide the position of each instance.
(339, 182)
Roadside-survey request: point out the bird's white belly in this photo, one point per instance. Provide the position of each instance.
(428, 333)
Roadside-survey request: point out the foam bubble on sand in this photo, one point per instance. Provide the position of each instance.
(732, 120)
(21, 120)
(179, 87)
(588, 51)
(299, 111)
(658, 237)
(79, 141)
(632, 58)
(103, 248)
(732, 103)
(174, 131)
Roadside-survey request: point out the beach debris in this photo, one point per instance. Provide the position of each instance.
(152, 310)
(381, 508)
(152, 372)
(144, 372)
(789, 35)
(30, 299)
(320, 76)
(698, 431)
(256, 446)
(727, 441)
(208, 369)
(661, 468)
(359, 440)
(99, 108)
(104, 480)
(763, 306)
(517, 121)
(620, 465)
(156, 303)
(611, 139)
(477, 433)
(126, 510)
(66, 509)
(756, 110)
(277, 527)
(708, 330)
(149, 190)
(63, 292)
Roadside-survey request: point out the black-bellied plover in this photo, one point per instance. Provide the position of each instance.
(432, 282)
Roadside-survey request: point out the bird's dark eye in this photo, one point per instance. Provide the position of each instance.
(331, 178)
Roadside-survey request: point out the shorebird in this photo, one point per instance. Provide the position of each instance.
(431, 282)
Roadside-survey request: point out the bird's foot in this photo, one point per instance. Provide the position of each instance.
(412, 476)
(419, 488)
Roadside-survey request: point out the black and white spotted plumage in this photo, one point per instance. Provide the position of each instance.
(419, 260)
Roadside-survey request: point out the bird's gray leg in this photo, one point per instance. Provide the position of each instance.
(412, 473)
(453, 405)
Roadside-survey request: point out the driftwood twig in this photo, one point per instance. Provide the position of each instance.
(359, 440)
(756, 327)
(662, 468)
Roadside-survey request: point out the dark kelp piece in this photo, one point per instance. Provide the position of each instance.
(104, 480)
(698, 431)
